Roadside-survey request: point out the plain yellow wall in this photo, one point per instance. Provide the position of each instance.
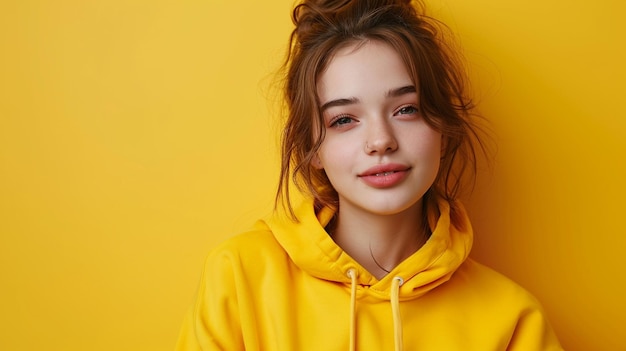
(135, 135)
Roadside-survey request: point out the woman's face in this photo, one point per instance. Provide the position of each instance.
(379, 153)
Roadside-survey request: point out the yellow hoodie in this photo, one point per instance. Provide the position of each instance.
(288, 286)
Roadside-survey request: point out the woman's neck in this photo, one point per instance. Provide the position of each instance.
(380, 242)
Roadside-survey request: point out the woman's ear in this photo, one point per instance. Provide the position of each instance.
(316, 162)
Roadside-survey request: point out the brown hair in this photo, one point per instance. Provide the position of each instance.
(323, 27)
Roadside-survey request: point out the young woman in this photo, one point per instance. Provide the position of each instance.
(376, 256)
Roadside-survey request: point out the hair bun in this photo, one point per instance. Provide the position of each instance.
(315, 17)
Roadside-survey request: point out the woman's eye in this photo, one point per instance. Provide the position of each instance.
(341, 121)
(407, 110)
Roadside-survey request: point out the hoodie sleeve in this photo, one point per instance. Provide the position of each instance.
(213, 322)
(533, 332)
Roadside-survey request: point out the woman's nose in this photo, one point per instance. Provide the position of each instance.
(381, 138)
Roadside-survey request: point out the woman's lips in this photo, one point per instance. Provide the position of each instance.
(384, 176)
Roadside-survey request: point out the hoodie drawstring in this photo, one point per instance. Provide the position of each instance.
(352, 275)
(395, 310)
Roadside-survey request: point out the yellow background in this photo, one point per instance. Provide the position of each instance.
(135, 135)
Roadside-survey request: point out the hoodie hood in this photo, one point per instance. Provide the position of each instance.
(287, 286)
(311, 248)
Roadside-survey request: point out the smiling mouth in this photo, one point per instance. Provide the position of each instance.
(385, 173)
(385, 178)
(385, 170)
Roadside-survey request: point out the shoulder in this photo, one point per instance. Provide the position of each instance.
(495, 288)
(491, 299)
(250, 250)
(256, 242)
(512, 305)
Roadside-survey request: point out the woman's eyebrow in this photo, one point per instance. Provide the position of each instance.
(339, 102)
(408, 89)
